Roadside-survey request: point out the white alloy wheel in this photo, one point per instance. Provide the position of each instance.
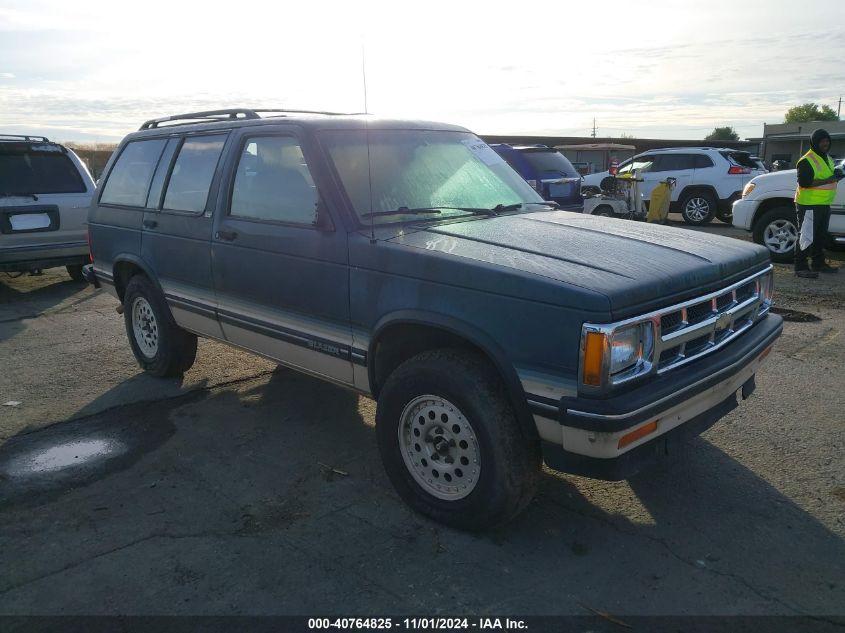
(780, 236)
(145, 327)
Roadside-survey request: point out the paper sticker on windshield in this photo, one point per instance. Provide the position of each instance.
(483, 152)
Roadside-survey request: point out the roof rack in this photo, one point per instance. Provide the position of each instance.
(27, 138)
(231, 114)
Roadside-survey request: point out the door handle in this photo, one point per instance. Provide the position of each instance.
(226, 235)
(150, 224)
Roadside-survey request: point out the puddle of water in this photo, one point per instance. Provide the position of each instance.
(68, 455)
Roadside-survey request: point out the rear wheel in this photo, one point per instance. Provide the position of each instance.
(777, 230)
(75, 272)
(604, 211)
(161, 347)
(451, 443)
(698, 208)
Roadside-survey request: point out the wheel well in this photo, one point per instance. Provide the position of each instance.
(693, 189)
(123, 272)
(397, 343)
(768, 205)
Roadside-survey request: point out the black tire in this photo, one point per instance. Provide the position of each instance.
(604, 211)
(698, 208)
(75, 272)
(175, 349)
(775, 229)
(508, 462)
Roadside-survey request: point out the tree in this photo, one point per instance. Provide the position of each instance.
(810, 112)
(726, 133)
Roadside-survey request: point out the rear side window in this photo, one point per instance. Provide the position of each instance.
(129, 180)
(273, 182)
(743, 159)
(674, 162)
(702, 161)
(192, 173)
(26, 170)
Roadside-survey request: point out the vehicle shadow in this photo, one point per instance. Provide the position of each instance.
(27, 297)
(270, 498)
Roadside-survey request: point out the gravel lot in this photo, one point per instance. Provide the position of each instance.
(125, 494)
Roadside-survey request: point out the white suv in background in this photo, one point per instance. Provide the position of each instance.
(767, 209)
(709, 179)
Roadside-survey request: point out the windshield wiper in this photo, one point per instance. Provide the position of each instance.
(425, 210)
(499, 208)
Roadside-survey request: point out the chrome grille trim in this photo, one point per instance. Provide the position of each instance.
(732, 310)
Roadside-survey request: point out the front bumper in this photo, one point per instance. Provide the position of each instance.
(585, 437)
(743, 212)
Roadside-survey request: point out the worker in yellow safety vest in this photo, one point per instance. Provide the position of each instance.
(813, 197)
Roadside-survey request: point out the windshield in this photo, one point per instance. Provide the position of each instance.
(549, 161)
(422, 169)
(641, 164)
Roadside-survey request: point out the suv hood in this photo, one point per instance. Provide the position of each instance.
(775, 181)
(638, 267)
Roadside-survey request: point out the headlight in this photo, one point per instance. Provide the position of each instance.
(748, 189)
(611, 356)
(767, 289)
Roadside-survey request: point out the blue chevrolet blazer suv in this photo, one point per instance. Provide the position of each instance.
(407, 261)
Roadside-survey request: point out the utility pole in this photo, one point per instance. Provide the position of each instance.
(594, 125)
(839, 107)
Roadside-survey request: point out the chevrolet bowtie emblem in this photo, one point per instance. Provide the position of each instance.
(723, 322)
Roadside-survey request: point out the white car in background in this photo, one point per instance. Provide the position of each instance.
(709, 179)
(767, 209)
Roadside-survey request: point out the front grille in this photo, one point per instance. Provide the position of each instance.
(700, 326)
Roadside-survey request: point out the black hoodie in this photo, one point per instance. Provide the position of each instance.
(806, 175)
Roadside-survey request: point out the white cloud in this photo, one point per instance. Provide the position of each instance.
(651, 69)
(6, 76)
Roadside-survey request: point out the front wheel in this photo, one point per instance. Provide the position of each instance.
(698, 208)
(450, 441)
(161, 347)
(777, 230)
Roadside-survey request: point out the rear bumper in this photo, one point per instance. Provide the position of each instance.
(90, 276)
(26, 258)
(587, 436)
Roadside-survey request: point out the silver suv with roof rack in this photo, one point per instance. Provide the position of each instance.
(45, 192)
(407, 261)
(708, 179)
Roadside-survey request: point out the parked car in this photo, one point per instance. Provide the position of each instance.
(767, 209)
(45, 192)
(407, 261)
(547, 170)
(709, 179)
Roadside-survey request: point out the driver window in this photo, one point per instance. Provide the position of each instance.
(272, 182)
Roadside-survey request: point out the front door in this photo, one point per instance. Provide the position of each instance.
(281, 277)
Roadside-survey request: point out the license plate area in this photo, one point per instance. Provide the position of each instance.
(32, 219)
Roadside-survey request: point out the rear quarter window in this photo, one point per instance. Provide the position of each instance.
(702, 161)
(129, 181)
(190, 180)
(28, 171)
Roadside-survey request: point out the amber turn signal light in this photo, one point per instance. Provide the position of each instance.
(595, 345)
(636, 434)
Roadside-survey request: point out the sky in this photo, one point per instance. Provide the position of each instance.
(94, 71)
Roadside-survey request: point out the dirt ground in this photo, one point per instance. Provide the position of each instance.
(219, 493)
